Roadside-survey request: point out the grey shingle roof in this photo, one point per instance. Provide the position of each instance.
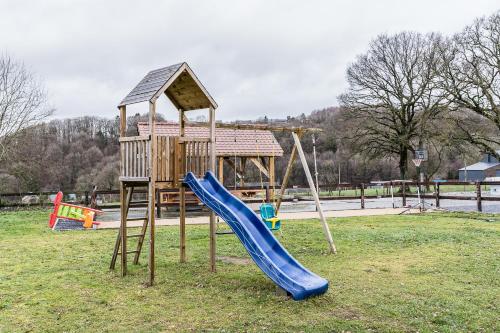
(150, 84)
(178, 82)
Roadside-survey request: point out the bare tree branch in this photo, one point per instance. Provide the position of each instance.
(23, 101)
(392, 97)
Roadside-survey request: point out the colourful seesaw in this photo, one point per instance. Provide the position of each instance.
(68, 211)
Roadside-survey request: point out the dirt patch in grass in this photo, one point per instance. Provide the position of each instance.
(234, 260)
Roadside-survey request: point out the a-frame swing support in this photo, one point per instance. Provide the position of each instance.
(315, 194)
(297, 133)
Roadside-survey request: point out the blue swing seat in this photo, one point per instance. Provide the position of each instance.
(268, 215)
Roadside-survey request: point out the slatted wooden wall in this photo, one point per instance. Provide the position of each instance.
(134, 156)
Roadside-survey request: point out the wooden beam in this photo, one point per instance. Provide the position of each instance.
(271, 177)
(151, 192)
(243, 163)
(211, 120)
(288, 172)
(312, 186)
(259, 165)
(123, 197)
(123, 227)
(123, 120)
(272, 128)
(234, 167)
(221, 170)
(182, 190)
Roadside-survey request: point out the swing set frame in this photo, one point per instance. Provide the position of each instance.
(297, 133)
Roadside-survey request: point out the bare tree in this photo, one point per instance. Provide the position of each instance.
(470, 75)
(392, 99)
(22, 101)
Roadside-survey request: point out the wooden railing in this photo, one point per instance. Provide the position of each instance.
(197, 153)
(134, 157)
(166, 162)
(169, 166)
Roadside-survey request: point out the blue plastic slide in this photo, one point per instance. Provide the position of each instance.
(260, 243)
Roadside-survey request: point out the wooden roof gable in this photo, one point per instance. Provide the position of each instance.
(178, 82)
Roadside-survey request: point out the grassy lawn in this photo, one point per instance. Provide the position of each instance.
(397, 273)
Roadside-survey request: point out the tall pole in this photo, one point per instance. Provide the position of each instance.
(339, 173)
(182, 190)
(315, 163)
(151, 191)
(123, 206)
(302, 156)
(212, 168)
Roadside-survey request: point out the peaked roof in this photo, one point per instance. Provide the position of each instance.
(178, 82)
(228, 142)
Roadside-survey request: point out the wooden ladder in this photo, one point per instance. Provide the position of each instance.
(140, 236)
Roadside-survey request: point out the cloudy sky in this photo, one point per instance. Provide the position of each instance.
(256, 58)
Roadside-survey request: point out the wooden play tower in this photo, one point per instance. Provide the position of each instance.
(159, 162)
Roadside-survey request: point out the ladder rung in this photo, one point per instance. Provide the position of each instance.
(135, 235)
(128, 252)
(136, 219)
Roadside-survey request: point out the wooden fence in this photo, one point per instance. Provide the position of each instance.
(399, 190)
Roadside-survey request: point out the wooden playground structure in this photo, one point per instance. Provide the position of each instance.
(233, 147)
(155, 161)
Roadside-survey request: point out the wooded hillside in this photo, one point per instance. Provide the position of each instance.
(74, 154)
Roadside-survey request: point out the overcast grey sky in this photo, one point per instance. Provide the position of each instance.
(256, 58)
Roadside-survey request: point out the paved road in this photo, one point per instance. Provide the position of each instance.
(333, 206)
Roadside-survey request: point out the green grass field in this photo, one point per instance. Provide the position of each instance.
(430, 273)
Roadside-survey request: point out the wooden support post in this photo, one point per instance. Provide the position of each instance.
(479, 200)
(362, 190)
(312, 186)
(93, 198)
(272, 178)
(212, 168)
(123, 198)
(404, 193)
(123, 120)
(151, 191)
(123, 228)
(438, 204)
(221, 170)
(288, 172)
(243, 163)
(182, 192)
(158, 206)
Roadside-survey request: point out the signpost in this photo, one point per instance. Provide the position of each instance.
(420, 156)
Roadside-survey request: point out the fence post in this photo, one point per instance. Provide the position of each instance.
(437, 196)
(362, 190)
(93, 198)
(478, 192)
(404, 194)
(158, 206)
